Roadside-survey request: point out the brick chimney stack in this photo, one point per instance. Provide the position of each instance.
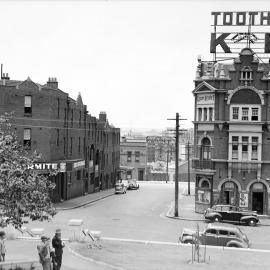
(103, 116)
(52, 82)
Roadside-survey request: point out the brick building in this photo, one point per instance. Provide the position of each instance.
(133, 157)
(232, 133)
(85, 148)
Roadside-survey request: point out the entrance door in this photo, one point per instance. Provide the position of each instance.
(141, 175)
(227, 197)
(62, 186)
(257, 202)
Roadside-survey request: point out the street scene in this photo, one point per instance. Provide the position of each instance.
(134, 135)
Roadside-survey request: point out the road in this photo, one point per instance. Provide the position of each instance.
(140, 214)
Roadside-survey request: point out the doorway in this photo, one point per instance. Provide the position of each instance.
(257, 202)
(141, 175)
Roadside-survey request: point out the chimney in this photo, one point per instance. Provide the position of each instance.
(103, 116)
(52, 82)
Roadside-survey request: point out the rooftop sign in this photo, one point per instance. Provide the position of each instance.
(234, 31)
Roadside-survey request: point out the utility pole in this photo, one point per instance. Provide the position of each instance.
(176, 164)
(188, 156)
(176, 181)
(167, 165)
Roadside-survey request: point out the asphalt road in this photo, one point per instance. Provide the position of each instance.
(140, 214)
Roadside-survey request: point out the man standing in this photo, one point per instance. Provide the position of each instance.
(58, 245)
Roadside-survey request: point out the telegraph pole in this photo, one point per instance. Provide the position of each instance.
(176, 165)
(176, 181)
(188, 155)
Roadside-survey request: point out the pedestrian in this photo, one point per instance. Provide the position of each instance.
(2, 246)
(44, 251)
(58, 245)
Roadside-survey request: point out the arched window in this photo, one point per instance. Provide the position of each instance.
(206, 149)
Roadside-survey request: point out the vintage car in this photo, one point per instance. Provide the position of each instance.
(216, 234)
(120, 188)
(132, 184)
(231, 213)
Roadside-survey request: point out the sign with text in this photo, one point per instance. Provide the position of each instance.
(234, 31)
(208, 99)
(48, 166)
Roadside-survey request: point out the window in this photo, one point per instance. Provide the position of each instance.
(223, 232)
(225, 208)
(27, 138)
(235, 151)
(210, 114)
(200, 114)
(235, 139)
(137, 156)
(71, 117)
(80, 119)
(254, 148)
(233, 234)
(235, 113)
(71, 140)
(211, 231)
(57, 138)
(245, 114)
(65, 120)
(129, 156)
(58, 107)
(204, 114)
(254, 115)
(64, 145)
(28, 105)
(79, 145)
(78, 175)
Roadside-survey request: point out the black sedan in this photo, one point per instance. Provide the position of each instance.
(231, 213)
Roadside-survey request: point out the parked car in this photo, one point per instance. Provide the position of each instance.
(132, 184)
(216, 234)
(231, 213)
(120, 188)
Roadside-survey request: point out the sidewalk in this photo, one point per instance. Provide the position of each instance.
(84, 200)
(186, 210)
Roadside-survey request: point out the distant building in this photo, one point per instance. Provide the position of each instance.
(86, 149)
(133, 157)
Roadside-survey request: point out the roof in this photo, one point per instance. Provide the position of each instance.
(217, 225)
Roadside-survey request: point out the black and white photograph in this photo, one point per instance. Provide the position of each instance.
(134, 134)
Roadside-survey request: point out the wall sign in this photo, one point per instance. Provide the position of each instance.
(206, 99)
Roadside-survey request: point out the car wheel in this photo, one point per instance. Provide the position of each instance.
(216, 219)
(188, 242)
(233, 245)
(252, 222)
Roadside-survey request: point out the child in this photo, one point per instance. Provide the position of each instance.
(2, 246)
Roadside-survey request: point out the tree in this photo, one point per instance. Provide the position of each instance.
(24, 192)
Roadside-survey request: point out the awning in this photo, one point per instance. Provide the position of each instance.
(126, 168)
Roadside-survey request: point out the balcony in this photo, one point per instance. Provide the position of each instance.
(202, 164)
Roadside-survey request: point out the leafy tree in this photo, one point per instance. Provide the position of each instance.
(24, 192)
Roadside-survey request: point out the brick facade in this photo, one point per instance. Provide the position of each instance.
(232, 133)
(63, 131)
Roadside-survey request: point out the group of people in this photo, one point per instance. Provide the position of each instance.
(50, 253)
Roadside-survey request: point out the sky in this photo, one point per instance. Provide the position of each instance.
(135, 60)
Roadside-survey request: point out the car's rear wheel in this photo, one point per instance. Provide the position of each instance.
(252, 222)
(234, 245)
(216, 219)
(189, 242)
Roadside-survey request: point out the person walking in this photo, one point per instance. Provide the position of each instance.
(2, 246)
(44, 251)
(58, 245)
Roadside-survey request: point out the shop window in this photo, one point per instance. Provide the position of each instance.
(28, 105)
(203, 196)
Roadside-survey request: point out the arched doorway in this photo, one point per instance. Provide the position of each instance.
(229, 193)
(258, 197)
